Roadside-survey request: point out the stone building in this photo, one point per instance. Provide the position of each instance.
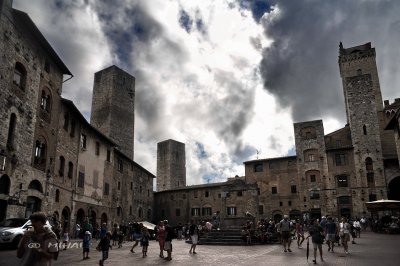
(51, 158)
(331, 174)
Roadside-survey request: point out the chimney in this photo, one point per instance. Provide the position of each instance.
(386, 103)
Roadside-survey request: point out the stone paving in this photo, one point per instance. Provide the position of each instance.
(371, 249)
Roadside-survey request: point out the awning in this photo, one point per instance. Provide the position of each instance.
(383, 205)
(148, 225)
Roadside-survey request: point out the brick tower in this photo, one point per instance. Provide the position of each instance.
(171, 169)
(364, 107)
(113, 108)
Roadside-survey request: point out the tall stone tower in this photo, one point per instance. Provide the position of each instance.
(171, 165)
(113, 107)
(364, 107)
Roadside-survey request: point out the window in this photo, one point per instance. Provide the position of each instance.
(108, 156)
(338, 143)
(274, 190)
(308, 133)
(62, 166)
(120, 165)
(195, 211)
(140, 190)
(311, 157)
(293, 189)
(70, 170)
(369, 166)
(195, 194)
(97, 150)
(19, 78)
(206, 194)
(183, 196)
(261, 209)
(280, 203)
(289, 203)
(313, 178)
(40, 153)
(119, 185)
(45, 101)
(83, 141)
(342, 181)
(66, 121)
(106, 188)
(206, 211)
(341, 159)
(364, 129)
(314, 194)
(258, 167)
(239, 193)
(130, 209)
(177, 212)
(72, 133)
(57, 195)
(273, 165)
(131, 185)
(344, 200)
(81, 180)
(231, 211)
(172, 197)
(11, 132)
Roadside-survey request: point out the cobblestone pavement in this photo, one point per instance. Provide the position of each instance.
(371, 249)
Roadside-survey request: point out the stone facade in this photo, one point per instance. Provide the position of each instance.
(171, 165)
(113, 107)
(51, 158)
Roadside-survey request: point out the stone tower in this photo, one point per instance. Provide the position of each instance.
(364, 107)
(113, 107)
(171, 165)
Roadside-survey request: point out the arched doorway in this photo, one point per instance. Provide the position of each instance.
(80, 217)
(277, 216)
(36, 185)
(5, 185)
(65, 214)
(103, 218)
(92, 218)
(394, 189)
(33, 204)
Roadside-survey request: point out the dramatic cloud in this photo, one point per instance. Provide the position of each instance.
(226, 77)
(300, 67)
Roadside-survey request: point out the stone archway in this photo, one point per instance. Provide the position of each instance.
(394, 189)
(103, 218)
(277, 216)
(80, 217)
(65, 217)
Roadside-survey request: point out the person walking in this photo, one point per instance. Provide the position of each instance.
(161, 237)
(77, 230)
(137, 235)
(104, 246)
(344, 234)
(86, 245)
(299, 233)
(169, 235)
(65, 238)
(331, 232)
(357, 227)
(317, 237)
(144, 241)
(194, 236)
(285, 227)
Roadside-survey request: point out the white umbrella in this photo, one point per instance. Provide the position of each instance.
(148, 225)
(382, 205)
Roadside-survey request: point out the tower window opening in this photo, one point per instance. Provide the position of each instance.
(365, 129)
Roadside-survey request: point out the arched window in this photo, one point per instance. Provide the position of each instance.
(45, 101)
(36, 185)
(11, 132)
(364, 129)
(70, 169)
(359, 72)
(19, 78)
(369, 165)
(62, 166)
(57, 195)
(40, 153)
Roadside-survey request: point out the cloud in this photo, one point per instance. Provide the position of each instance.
(300, 67)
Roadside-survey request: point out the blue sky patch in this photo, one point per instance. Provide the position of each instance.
(185, 20)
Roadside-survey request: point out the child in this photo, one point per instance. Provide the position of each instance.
(104, 246)
(65, 239)
(144, 241)
(86, 244)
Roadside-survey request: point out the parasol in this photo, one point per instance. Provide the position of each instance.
(148, 225)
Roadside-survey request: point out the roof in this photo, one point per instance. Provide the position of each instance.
(132, 161)
(271, 159)
(393, 121)
(31, 28)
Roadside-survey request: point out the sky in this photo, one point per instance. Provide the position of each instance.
(229, 77)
